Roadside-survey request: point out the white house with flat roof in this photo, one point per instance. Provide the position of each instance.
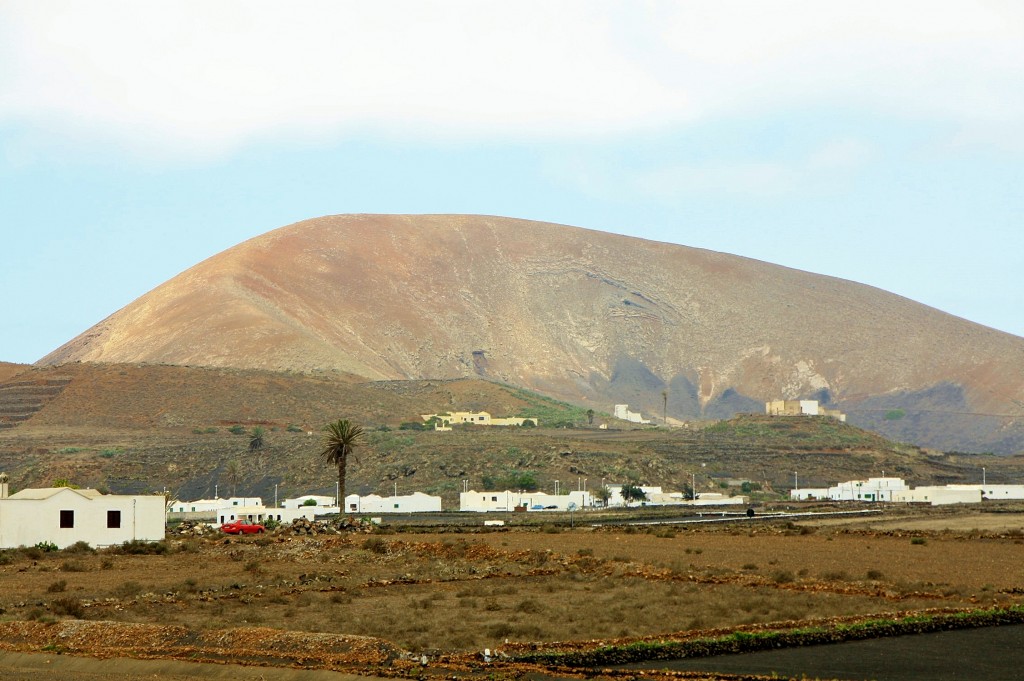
(64, 516)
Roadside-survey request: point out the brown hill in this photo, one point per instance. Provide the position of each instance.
(585, 316)
(147, 427)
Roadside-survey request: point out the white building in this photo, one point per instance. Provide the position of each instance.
(318, 499)
(417, 502)
(801, 408)
(622, 412)
(527, 501)
(64, 516)
(210, 505)
(872, 489)
(896, 490)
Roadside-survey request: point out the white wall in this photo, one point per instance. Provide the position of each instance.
(995, 492)
(320, 500)
(938, 496)
(27, 522)
(204, 505)
(508, 500)
(417, 502)
(260, 514)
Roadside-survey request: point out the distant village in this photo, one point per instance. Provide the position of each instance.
(63, 516)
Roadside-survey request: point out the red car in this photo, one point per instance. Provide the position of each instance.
(242, 527)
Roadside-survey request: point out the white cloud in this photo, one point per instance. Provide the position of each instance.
(195, 77)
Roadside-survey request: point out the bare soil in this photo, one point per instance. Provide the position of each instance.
(374, 603)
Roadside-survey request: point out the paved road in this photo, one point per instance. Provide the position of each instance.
(989, 654)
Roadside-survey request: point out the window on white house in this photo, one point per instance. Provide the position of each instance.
(67, 518)
(113, 519)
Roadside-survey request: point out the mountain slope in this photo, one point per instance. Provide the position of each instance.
(585, 316)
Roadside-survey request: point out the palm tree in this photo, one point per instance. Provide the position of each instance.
(256, 443)
(340, 440)
(233, 471)
(664, 406)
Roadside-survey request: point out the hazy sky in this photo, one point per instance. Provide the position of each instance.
(881, 142)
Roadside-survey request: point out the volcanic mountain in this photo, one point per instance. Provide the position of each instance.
(586, 316)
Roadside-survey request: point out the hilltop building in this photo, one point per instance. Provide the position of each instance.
(477, 418)
(622, 412)
(801, 408)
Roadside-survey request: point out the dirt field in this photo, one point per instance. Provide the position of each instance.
(449, 595)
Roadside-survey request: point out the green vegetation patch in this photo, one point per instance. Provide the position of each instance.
(550, 412)
(754, 640)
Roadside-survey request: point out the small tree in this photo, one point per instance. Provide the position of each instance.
(256, 443)
(632, 492)
(340, 440)
(590, 417)
(603, 495)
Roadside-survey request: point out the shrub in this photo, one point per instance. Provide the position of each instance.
(58, 586)
(128, 589)
(894, 414)
(875, 575)
(79, 547)
(137, 547)
(46, 546)
(292, 428)
(73, 566)
(918, 541)
(375, 545)
(309, 502)
(67, 605)
(237, 429)
(783, 577)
